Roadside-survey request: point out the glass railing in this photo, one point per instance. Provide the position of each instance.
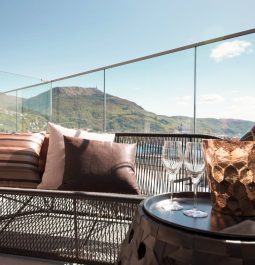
(226, 86)
(34, 108)
(78, 102)
(206, 87)
(10, 81)
(145, 96)
(9, 115)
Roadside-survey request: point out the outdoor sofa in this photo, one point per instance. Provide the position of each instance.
(85, 227)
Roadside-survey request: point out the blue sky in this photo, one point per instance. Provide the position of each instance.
(50, 39)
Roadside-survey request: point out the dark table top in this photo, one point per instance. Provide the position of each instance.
(215, 224)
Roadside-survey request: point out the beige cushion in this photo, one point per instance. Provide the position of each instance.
(19, 157)
(55, 163)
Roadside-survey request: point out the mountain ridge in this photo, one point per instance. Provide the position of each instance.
(83, 107)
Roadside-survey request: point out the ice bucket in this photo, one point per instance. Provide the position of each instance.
(231, 175)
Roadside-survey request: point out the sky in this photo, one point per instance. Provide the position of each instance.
(47, 39)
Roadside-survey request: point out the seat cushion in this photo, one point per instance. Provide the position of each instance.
(19, 159)
(99, 166)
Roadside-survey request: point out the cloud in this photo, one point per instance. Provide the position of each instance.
(241, 108)
(244, 100)
(183, 100)
(230, 49)
(136, 88)
(212, 98)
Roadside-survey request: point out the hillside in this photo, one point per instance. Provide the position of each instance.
(83, 108)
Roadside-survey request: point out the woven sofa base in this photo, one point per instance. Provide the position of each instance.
(69, 226)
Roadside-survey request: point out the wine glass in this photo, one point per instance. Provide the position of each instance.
(195, 165)
(172, 158)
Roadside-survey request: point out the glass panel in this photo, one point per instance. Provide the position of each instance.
(155, 95)
(79, 102)
(226, 87)
(8, 114)
(9, 81)
(34, 108)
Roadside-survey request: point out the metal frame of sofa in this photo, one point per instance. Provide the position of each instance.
(85, 227)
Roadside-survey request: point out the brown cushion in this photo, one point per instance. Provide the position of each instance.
(99, 166)
(19, 156)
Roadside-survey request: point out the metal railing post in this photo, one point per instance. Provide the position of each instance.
(104, 110)
(16, 110)
(195, 90)
(50, 114)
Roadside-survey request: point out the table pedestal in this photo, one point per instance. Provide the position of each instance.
(151, 242)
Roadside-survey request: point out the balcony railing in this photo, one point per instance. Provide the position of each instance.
(206, 87)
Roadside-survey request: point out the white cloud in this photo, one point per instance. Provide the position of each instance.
(241, 108)
(244, 100)
(183, 100)
(136, 88)
(212, 98)
(230, 49)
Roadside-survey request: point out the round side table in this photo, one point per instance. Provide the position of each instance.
(159, 237)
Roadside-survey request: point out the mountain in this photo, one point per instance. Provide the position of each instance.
(83, 108)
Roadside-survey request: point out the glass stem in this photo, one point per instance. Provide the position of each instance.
(171, 179)
(195, 196)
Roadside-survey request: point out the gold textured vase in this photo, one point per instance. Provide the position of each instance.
(231, 175)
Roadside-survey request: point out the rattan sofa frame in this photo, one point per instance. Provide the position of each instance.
(85, 227)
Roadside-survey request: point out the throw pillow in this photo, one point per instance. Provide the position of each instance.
(19, 158)
(99, 166)
(55, 162)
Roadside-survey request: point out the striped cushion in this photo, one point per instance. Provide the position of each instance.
(19, 157)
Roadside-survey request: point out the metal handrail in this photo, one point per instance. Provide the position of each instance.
(178, 49)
